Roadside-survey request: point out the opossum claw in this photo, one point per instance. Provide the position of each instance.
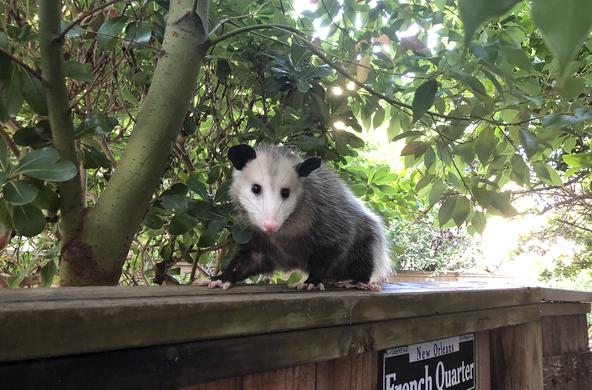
(213, 283)
(371, 286)
(202, 282)
(307, 286)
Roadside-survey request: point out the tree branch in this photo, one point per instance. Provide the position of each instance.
(123, 204)
(52, 63)
(26, 67)
(307, 41)
(86, 14)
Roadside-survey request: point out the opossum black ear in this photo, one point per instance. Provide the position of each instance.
(307, 166)
(240, 155)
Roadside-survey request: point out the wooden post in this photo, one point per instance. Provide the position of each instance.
(517, 357)
(483, 359)
(567, 361)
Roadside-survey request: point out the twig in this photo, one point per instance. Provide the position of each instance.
(26, 67)
(86, 14)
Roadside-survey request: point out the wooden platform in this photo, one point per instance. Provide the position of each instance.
(169, 337)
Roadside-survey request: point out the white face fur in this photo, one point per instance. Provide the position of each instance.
(268, 189)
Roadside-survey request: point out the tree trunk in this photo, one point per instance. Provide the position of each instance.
(96, 253)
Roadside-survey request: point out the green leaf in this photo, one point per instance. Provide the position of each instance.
(19, 192)
(446, 210)
(211, 233)
(78, 71)
(202, 210)
(564, 25)
(36, 136)
(94, 158)
(529, 142)
(11, 96)
(462, 209)
(5, 60)
(407, 134)
(472, 82)
(28, 220)
(579, 160)
(75, 32)
(479, 221)
(48, 271)
(96, 124)
(34, 93)
(320, 108)
(109, 31)
(485, 144)
(547, 174)
(197, 186)
(303, 86)
(416, 148)
(3, 155)
(378, 117)
(174, 199)
(223, 70)
(153, 219)
(139, 33)
(182, 223)
(474, 13)
(436, 192)
(58, 172)
(240, 234)
(573, 87)
(423, 98)
(47, 199)
(520, 171)
(43, 164)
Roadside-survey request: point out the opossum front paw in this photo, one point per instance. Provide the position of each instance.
(371, 286)
(213, 283)
(307, 286)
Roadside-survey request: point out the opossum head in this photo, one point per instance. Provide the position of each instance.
(268, 183)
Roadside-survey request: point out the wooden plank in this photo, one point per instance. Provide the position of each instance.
(565, 334)
(549, 309)
(105, 292)
(559, 295)
(357, 372)
(568, 372)
(483, 360)
(222, 384)
(517, 357)
(291, 378)
(61, 327)
(171, 366)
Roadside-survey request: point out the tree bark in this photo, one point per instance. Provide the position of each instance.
(52, 63)
(96, 255)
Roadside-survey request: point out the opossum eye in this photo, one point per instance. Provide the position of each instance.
(256, 189)
(285, 192)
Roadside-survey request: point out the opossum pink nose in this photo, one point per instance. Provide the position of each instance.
(270, 226)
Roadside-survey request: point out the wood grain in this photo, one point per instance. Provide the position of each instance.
(57, 327)
(171, 366)
(568, 372)
(517, 357)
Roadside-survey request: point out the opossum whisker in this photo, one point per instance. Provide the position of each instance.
(245, 197)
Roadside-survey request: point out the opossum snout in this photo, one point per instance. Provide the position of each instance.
(271, 225)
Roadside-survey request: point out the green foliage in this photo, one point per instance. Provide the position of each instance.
(418, 245)
(496, 97)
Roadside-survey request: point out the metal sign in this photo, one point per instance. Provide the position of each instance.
(447, 364)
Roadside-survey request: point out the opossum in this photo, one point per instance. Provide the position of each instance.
(304, 217)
